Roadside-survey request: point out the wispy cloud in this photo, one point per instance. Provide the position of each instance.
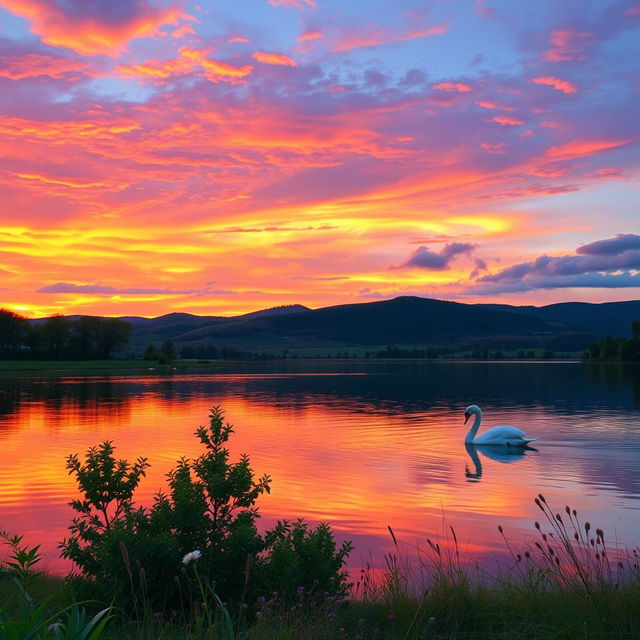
(557, 83)
(106, 290)
(281, 59)
(374, 36)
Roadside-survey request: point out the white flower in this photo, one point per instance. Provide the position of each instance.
(191, 557)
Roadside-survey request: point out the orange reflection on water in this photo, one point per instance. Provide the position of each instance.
(351, 462)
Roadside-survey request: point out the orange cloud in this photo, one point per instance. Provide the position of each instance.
(506, 120)
(184, 30)
(33, 64)
(378, 36)
(452, 86)
(310, 35)
(86, 32)
(583, 148)
(557, 83)
(274, 58)
(190, 59)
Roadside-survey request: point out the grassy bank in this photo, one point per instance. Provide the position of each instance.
(102, 367)
(455, 600)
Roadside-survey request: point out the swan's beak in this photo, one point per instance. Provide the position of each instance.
(466, 417)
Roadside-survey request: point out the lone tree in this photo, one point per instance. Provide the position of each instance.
(13, 331)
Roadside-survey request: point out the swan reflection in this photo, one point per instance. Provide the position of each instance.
(503, 454)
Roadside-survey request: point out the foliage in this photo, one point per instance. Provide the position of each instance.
(37, 621)
(107, 485)
(300, 558)
(61, 338)
(133, 554)
(616, 349)
(13, 329)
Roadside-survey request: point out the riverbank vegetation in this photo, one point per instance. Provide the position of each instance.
(61, 338)
(616, 349)
(193, 565)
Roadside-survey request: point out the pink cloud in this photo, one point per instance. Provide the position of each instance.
(506, 121)
(452, 86)
(184, 30)
(294, 4)
(583, 148)
(376, 36)
(568, 45)
(274, 58)
(33, 64)
(557, 83)
(310, 35)
(93, 28)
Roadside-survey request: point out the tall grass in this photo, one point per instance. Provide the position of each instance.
(568, 583)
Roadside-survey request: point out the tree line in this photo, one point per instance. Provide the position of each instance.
(60, 338)
(616, 349)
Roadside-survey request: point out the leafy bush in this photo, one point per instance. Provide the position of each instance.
(134, 555)
(31, 620)
(299, 558)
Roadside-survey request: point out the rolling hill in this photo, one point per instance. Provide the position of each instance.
(403, 320)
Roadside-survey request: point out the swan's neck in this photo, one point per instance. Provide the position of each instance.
(474, 428)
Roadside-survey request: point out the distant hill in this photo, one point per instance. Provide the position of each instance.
(401, 321)
(404, 320)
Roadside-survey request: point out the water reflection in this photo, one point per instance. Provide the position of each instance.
(362, 445)
(499, 453)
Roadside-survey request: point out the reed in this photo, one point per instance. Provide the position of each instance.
(569, 582)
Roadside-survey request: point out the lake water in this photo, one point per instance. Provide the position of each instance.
(360, 444)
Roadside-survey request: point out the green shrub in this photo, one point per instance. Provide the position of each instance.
(134, 556)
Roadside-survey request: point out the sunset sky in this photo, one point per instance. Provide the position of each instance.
(220, 157)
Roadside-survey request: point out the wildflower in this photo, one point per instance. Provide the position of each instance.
(190, 557)
(391, 616)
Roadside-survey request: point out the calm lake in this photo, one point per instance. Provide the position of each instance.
(361, 444)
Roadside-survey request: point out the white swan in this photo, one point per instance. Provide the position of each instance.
(504, 434)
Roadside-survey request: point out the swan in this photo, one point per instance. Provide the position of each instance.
(504, 434)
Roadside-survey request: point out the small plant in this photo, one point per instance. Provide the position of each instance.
(36, 621)
(299, 557)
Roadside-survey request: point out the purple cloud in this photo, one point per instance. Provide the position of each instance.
(597, 264)
(423, 258)
(612, 246)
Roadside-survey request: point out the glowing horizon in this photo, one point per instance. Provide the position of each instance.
(165, 155)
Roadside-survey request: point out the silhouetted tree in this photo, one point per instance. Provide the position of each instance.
(13, 331)
(150, 353)
(55, 336)
(167, 352)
